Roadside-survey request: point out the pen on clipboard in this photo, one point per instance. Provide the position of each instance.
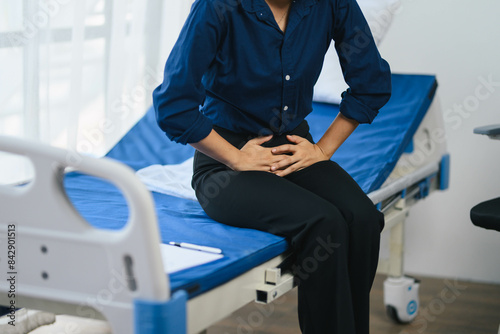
(196, 247)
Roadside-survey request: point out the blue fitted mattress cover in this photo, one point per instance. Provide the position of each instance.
(369, 155)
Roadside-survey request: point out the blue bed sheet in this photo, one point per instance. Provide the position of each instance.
(369, 155)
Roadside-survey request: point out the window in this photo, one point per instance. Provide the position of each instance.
(78, 74)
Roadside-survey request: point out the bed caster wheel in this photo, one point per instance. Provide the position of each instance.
(392, 313)
(401, 298)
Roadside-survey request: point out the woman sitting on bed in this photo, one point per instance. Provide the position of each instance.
(251, 65)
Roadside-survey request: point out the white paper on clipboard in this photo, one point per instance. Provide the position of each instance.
(178, 258)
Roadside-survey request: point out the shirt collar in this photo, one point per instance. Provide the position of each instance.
(253, 6)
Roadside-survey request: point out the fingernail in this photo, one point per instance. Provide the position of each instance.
(273, 150)
(273, 168)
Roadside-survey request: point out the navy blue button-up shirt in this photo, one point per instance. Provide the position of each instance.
(233, 67)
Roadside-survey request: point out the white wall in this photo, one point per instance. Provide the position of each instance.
(459, 41)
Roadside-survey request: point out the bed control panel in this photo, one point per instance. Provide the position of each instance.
(275, 285)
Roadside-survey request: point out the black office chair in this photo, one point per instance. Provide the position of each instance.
(487, 214)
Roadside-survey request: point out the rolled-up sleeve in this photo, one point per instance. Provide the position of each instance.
(365, 72)
(177, 100)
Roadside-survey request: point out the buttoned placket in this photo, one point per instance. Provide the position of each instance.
(287, 88)
(285, 80)
(287, 62)
(297, 12)
(266, 16)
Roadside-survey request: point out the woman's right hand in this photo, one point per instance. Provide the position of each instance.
(253, 156)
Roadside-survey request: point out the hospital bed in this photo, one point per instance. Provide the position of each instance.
(86, 232)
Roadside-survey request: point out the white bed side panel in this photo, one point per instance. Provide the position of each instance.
(429, 144)
(59, 256)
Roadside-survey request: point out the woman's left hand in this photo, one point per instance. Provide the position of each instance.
(303, 154)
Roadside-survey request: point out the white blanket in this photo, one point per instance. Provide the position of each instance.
(174, 180)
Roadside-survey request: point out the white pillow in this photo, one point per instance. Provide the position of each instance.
(331, 84)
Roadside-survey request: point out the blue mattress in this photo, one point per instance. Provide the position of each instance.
(369, 155)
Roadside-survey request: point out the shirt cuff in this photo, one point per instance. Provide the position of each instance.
(354, 109)
(200, 129)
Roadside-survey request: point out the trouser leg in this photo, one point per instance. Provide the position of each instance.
(364, 221)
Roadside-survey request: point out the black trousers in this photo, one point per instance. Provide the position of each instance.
(330, 223)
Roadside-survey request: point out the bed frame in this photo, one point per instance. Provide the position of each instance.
(48, 237)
